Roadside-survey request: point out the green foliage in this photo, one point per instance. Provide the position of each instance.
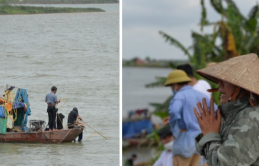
(204, 15)
(217, 5)
(159, 82)
(161, 110)
(237, 34)
(176, 43)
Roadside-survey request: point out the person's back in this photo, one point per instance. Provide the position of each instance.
(72, 117)
(51, 98)
(202, 86)
(183, 122)
(71, 122)
(186, 98)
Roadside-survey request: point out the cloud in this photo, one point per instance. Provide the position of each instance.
(152, 42)
(157, 13)
(143, 19)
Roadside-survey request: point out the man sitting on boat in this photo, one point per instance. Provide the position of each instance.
(52, 101)
(74, 120)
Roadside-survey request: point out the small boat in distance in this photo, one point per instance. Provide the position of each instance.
(14, 112)
(136, 127)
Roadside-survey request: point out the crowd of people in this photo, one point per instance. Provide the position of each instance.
(202, 133)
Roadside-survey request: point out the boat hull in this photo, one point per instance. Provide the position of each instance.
(57, 136)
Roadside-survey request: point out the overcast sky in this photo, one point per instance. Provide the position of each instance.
(143, 19)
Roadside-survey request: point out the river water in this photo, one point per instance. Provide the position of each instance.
(136, 96)
(78, 53)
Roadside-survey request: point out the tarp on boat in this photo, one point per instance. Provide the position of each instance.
(22, 94)
(2, 112)
(3, 125)
(3, 120)
(19, 115)
(17, 105)
(134, 128)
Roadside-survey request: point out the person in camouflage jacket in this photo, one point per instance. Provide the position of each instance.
(235, 141)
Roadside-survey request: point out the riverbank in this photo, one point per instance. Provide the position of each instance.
(65, 3)
(9, 9)
(153, 63)
(62, 1)
(147, 65)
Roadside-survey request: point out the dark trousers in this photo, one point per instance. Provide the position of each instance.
(80, 136)
(52, 117)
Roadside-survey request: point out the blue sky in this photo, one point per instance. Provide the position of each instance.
(143, 19)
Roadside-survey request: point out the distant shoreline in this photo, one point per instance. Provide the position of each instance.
(15, 10)
(136, 62)
(61, 3)
(146, 66)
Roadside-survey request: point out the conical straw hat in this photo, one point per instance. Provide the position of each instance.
(242, 71)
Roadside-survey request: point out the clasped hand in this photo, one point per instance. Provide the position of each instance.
(208, 121)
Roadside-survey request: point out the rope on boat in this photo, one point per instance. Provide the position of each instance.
(96, 131)
(64, 102)
(59, 108)
(83, 121)
(90, 135)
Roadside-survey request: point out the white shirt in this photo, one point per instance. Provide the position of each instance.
(165, 159)
(202, 86)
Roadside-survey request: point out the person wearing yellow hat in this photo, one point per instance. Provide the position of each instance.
(235, 141)
(182, 121)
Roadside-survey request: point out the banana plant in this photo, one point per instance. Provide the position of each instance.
(237, 34)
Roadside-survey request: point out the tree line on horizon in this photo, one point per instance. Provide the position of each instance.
(56, 1)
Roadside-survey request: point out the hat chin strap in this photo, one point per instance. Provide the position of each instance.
(235, 94)
(252, 100)
(213, 90)
(231, 98)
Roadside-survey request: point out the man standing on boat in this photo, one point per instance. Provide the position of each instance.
(52, 101)
(72, 121)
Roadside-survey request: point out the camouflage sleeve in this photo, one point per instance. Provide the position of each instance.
(241, 146)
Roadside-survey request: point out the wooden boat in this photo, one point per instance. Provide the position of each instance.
(13, 122)
(58, 136)
(133, 142)
(136, 127)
